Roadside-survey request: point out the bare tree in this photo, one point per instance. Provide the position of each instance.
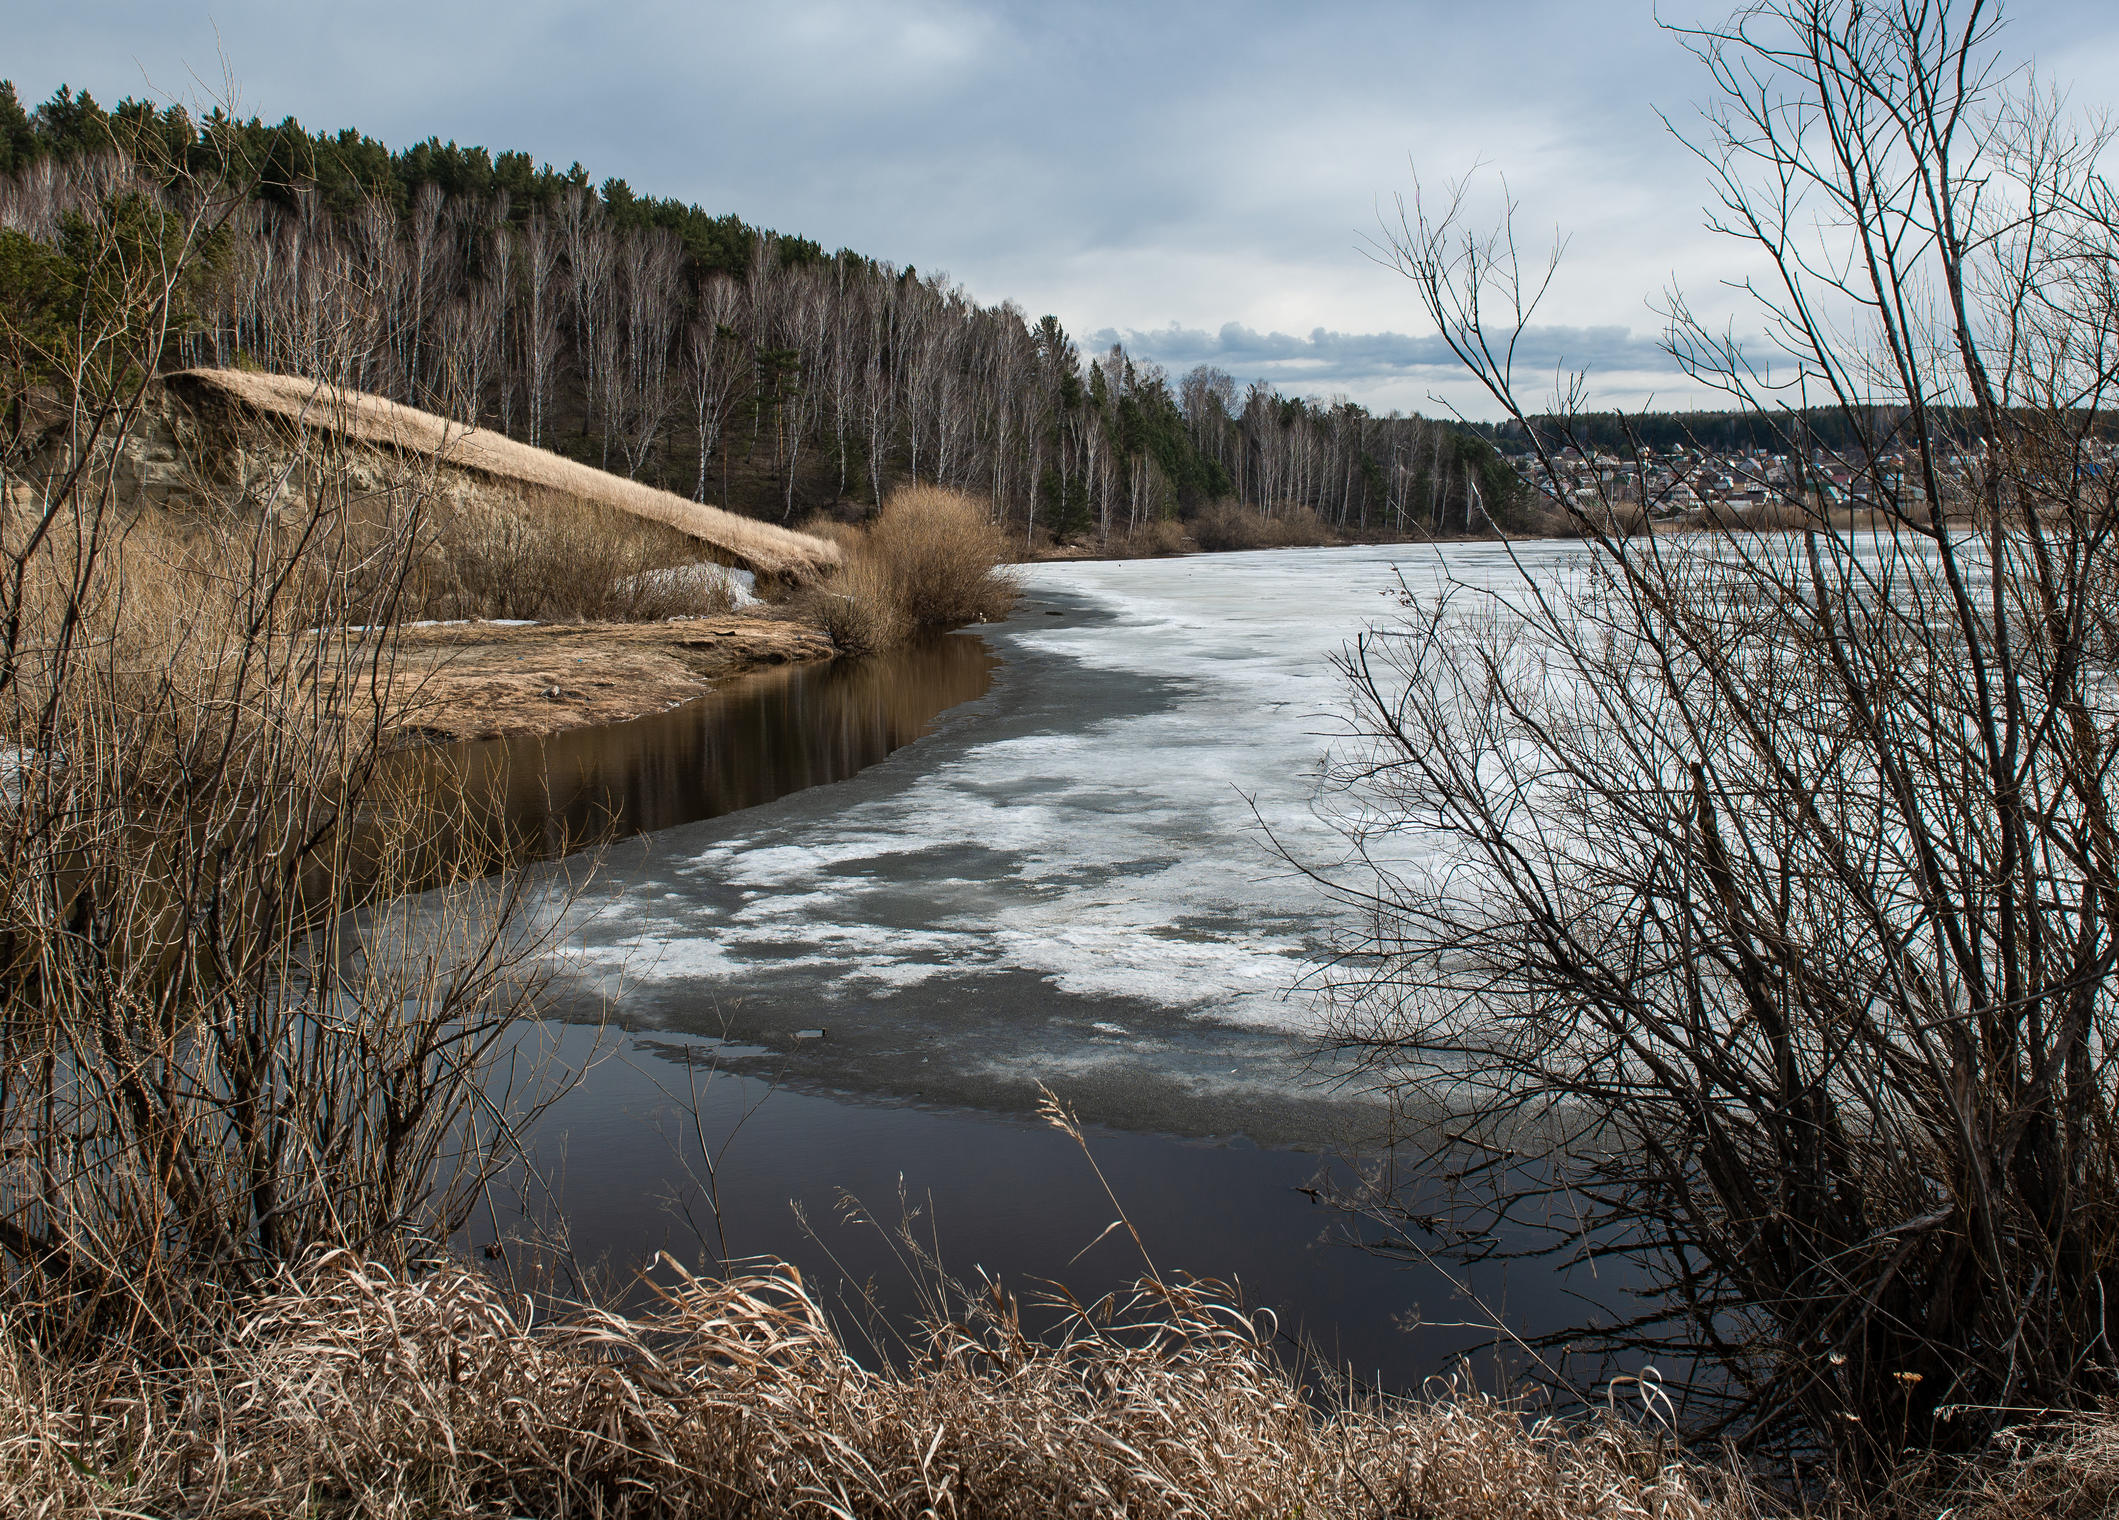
(469, 355)
(1754, 898)
(811, 311)
(503, 261)
(712, 366)
(651, 264)
(1206, 396)
(429, 260)
(842, 371)
(591, 251)
(541, 299)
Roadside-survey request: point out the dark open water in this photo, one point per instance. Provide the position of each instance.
(719, 962)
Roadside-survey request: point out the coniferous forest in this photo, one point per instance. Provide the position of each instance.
(694, 351)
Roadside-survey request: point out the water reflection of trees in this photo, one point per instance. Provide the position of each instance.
(758, 739)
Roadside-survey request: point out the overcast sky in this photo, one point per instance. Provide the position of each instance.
(1197, 179)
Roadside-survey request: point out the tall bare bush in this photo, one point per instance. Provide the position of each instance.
(944, 552)
(209, 1067)
(1771, 935)
(931, 560)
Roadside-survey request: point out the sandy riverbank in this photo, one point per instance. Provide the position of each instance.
(484, 680)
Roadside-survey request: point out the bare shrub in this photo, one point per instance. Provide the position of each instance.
(1224, 525)
(208, 1067)
(1621, 519)
(1764, 924)
(930, 560)
(945, 553)
(1229, 525)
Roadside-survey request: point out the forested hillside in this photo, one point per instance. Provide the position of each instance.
(693, 350)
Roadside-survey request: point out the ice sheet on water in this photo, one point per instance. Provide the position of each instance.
(1125, 857)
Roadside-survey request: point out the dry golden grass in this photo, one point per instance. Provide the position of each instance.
(1228, 525)
(2070, 1472)
(514, 552)
(756, 546)
(355, 1391)
(157, 613)
(930, 560)
(857, 607)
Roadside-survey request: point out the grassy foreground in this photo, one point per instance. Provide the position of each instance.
(356, 1390)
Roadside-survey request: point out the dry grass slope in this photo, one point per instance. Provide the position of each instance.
(756, 546)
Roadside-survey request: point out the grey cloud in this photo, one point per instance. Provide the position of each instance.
(1327, 361)
(1190, 162)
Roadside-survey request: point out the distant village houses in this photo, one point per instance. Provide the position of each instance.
(1689, 484)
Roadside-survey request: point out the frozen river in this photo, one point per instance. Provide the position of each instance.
(1067, 880)
(1070, 881)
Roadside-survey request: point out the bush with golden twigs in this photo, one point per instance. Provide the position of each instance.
(931, 560)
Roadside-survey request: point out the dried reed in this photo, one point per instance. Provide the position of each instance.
(930, 560)
(357, 1390)
(513, 552)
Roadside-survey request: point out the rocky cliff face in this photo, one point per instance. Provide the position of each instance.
(189, 451)
(159, 461)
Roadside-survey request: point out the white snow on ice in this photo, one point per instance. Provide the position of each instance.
(1123, 859)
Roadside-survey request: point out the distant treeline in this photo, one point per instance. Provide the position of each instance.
(696, 351)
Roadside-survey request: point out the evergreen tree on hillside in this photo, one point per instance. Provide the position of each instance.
(19, 146)
(692, 349)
